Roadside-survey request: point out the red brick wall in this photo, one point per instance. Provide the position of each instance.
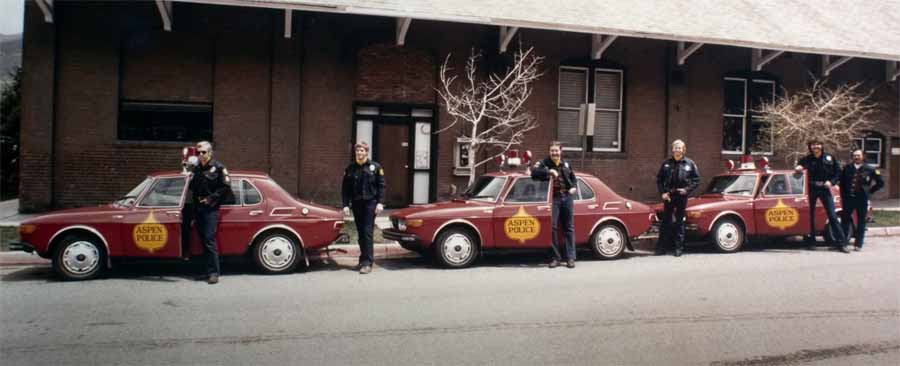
(389, 73)
(285, 106)
(38, 95)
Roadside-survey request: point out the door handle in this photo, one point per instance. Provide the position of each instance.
(173, 213)
(593, 206)
(800, 199)
(256, 212)
(543, 208)
(118, 216)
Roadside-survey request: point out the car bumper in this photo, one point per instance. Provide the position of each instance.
(406, 240)
(21, 246)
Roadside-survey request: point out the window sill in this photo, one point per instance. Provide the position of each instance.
(154, 144)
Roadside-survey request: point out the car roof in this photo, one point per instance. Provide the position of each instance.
(756, 171)
(233, 173)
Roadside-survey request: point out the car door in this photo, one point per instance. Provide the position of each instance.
(239, 221)
(586, 211)
(523, 218)
(781, 207)
(153, 227)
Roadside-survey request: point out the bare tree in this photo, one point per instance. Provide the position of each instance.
(831, 114)
(491, 109)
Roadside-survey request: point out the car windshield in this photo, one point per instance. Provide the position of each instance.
(128, 198)
(742, 185)
(486, 188)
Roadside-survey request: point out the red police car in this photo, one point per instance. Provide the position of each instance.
(752, 200)
(509, 210)
(263, 220)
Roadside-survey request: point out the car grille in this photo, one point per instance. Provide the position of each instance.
(394, 223)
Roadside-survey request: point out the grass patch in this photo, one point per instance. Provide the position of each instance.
(885, 218)
(350, 229)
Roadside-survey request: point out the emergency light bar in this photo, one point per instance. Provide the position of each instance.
(747, 163)
(512, 158)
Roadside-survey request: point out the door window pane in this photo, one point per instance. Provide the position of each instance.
(778, 185)
(585, 192)
(528, 190)
(166, 192)
(798, 183)
(735, 90)
(251, 195)
(733, 134)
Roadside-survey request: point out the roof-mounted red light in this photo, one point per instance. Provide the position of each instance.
(763, 163)
(729, 165)
(747, 162)
(188, 158)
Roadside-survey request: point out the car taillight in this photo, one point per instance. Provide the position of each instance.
(27, 229)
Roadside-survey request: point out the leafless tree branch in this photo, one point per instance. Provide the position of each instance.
(490, 110)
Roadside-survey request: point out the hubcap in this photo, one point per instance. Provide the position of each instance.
(277, 252)
(609, 241)
(457, 248)
(728, 236)
(81, 257)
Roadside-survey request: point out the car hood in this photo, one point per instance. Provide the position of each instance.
(709, 202)
(440, 209)
(75, 213)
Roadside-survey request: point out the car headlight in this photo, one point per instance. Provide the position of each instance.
(401, 225)
(694, 214)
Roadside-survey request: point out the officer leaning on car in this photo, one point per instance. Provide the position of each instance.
(362, 191)
(823, 172)
(858, 181)
(209, 186)
(677, 178)
(562, 177)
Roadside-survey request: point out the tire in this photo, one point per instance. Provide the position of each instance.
(608, 241)
(728, 235)
(277, 253)
(455, 248)
(79, 258)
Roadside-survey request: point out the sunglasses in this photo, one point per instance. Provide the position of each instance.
(202, 152)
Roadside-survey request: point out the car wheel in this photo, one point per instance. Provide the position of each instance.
(79, 257)
(456, 248)
(277, 253)
(729, 235)
(608, 241)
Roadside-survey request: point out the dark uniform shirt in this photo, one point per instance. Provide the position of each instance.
(823, 169)
(856, 182)
(210, 181)
(675, 174)
(564, 182)
(363, 182)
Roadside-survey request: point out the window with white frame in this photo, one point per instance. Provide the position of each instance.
(871, 147)
(741, 124)
(604, 88)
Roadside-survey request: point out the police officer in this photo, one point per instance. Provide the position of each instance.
(823, 172)
(857, 181)
(209, 186)
(562, 177)
(677, 178)
(362, 192)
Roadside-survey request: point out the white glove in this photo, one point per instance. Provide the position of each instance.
(346, 211)
(378, 208)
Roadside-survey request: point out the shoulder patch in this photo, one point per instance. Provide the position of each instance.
(225, 171)
(381, 171)
(877, 172)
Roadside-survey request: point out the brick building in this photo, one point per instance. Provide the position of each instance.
(113, 90)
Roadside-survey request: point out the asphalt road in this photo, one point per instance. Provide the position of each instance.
(771, 305)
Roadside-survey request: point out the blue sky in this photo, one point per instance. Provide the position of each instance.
(11, 16)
